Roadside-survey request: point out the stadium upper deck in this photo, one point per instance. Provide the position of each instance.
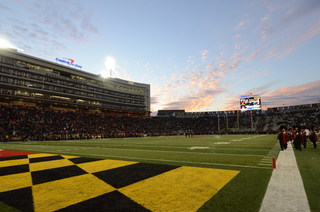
(27, 80)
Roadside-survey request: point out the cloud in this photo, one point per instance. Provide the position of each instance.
(154, 100)
(237, 37)
(202, 99)
(272, 53)
(265, 18)
(290, 45)
(305, 8)
(265, 72)
(121, 73)
(232, 101)
(292, 16)
(224, 64)
(203, 53)
(254, 54)
(210, 65)
(88, 26)
(293, 95)
(55, 21)
(309, 33)
(4, 8)
(237, 46)
(146, 66)
(307, 93)
(229, 68)
(241, 24)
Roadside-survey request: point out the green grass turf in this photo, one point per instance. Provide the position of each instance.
(309, 166)
(244, 153)
(6, 208)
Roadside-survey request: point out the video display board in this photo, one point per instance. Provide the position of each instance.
(250, 102)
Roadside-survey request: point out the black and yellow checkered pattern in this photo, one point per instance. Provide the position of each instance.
(46, 182)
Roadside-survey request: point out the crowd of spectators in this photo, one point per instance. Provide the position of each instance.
(32, 123)
(41, 124)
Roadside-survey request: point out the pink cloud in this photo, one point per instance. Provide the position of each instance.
(210, 65)
(307, 93)
(229, 68)
(241, 24)
(203, 53)
(224, 64)
(254, 54)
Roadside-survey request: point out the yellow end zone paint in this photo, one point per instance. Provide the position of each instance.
(182, 189)
(14, 162)
(102, 165)
(41, 155)
(15, 181)
(70, 156)
(49, 165)
(58, 194)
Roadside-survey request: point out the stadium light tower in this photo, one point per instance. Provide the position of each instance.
(6, 45)
(111, 64)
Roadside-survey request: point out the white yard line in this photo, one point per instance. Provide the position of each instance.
(285, 191)
(176, 152)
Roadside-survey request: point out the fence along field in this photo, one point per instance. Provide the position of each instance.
(250, 156)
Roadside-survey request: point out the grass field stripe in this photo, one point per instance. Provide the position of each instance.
(188, 152)
(173, 147)
(173, 161)
(58, 194)
(182, 189)
(15, 181)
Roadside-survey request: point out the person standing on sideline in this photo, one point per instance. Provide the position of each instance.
(304, 137)
(294, 136)
(280, 137)
(299, 139)
(313, 137)
(285, 137)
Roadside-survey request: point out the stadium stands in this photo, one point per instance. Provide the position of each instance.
(33, 123)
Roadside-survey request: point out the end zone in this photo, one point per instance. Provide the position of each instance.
(11, 153)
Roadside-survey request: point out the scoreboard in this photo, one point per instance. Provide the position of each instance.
(250, 102)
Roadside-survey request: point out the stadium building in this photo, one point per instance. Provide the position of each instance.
(32, 81)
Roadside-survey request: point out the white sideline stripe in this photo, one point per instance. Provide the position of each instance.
(264, 164)
(285, 191)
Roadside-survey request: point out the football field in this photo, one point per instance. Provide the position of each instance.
(174, 173)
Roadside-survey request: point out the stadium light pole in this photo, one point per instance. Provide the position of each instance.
(218, 122)
(251, 121)
(110, 64)
(6, 45)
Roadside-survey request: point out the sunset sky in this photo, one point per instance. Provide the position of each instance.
(196, 55)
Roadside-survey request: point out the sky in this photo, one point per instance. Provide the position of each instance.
(196, 55)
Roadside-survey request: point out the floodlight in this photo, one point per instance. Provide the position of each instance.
(7, 45)
(111, 64)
